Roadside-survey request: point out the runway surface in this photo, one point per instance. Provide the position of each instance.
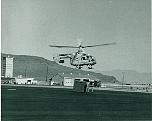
(59, 104)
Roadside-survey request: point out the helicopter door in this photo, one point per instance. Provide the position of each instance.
(84, 59)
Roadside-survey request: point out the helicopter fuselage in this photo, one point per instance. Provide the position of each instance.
(77, 59)
(81, 59)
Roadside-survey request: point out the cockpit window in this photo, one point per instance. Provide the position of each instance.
(83, 58)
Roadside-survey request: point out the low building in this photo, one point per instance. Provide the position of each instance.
(62, 79)
(7, 80)
(25, 81)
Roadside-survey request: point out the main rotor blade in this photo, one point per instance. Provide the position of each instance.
(99, 45)
(63, 46)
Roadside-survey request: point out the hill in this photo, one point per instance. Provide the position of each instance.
(130, 76)
(37, 67)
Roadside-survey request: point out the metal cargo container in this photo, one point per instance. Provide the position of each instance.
(80, 86)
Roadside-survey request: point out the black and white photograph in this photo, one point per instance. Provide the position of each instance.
(76, 60)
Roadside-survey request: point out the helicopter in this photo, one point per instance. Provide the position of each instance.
(79, 58)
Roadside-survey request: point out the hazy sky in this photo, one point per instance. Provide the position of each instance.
(29, 26)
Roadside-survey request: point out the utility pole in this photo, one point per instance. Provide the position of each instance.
(29, 70)
(25, 71)
(46, 72)
(123, 78)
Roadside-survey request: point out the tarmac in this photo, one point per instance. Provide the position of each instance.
(55, 103)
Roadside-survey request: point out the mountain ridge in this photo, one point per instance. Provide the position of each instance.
(37, 67)
(130, 76)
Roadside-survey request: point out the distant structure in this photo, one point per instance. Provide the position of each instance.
(68, 79)
(20, 80)
(7, 67)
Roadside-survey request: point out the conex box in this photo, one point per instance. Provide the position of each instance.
(80, 86)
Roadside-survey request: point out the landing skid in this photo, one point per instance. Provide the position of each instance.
(78, 67)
